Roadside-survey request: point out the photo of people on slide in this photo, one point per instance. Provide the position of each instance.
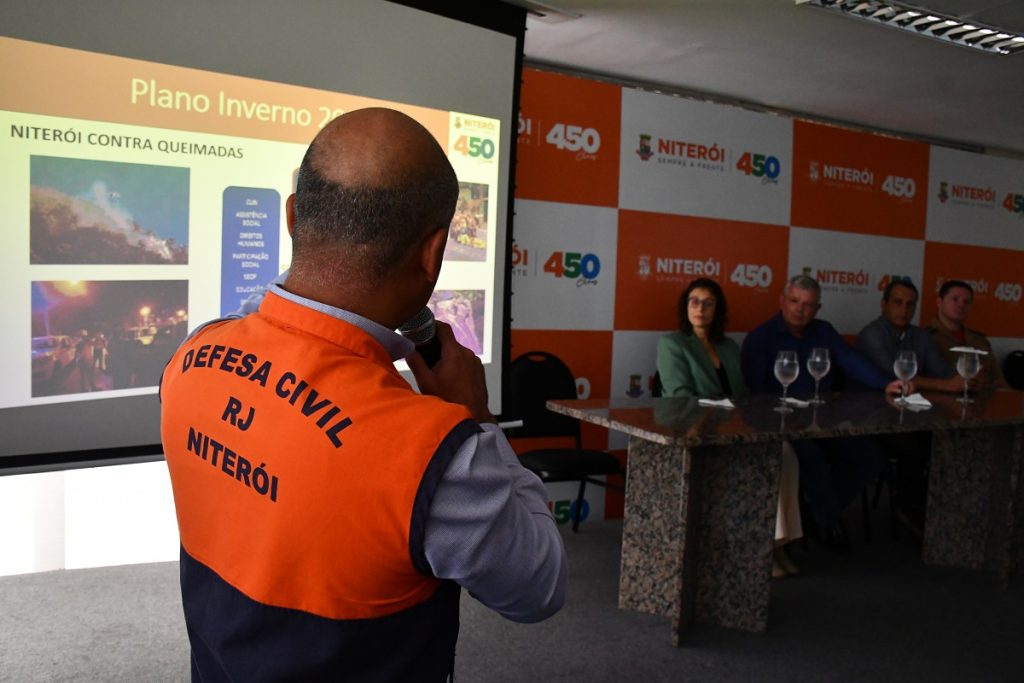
(467, 236)
(89, 212)
(92, 336)
(463, 309)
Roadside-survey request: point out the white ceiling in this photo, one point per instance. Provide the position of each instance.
(801, 59)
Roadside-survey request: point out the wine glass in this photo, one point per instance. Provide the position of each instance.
(967, 366)
(905, 367)
(787, 369)
(818, 365)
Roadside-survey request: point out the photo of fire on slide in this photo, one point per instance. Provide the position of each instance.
(92, 336)
(467, 235)
(104, 212)
(463, 309)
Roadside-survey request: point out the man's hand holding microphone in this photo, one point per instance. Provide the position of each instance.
(445, 368)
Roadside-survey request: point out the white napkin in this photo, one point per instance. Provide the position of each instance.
(969, 349)
(917, 401)
(797, 402)
(713, 403)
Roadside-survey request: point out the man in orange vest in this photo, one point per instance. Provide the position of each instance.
(328, 513)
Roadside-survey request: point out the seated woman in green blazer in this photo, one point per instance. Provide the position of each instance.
(699, 360)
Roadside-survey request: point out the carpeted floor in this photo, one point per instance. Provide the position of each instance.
(876, 615)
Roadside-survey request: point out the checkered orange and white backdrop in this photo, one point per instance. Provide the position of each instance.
(622, 197)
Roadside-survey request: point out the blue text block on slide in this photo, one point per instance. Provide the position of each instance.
(249, 252)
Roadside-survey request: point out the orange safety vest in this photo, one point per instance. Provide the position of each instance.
(302, 466)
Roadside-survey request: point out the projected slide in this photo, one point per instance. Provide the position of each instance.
(139, 200)
(85, 211)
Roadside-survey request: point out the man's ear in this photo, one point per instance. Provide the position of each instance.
(431, 253)
(289, 214)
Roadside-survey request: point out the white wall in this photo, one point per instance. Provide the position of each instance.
(87, 518)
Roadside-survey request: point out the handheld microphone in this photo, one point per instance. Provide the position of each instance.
(420, 330)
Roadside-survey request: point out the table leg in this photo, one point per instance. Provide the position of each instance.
(974, 496)
(1017, 486)
(698, 533)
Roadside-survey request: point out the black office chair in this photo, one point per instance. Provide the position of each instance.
(1013, 369)
(533, 379)
(656, 388)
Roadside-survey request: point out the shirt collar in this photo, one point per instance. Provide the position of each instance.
(397, 346)
(780, 323)
(782, 328)
(898, 335)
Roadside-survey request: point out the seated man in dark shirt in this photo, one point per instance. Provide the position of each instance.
(880, 341)
(891, 332)
(833, 472)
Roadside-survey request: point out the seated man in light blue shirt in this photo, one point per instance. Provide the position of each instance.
(892, 332)
(881, 340)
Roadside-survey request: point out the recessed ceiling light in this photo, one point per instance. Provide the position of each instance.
(924, 22)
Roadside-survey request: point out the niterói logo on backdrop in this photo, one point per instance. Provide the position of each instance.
(961, 194)
(674, 269)
(639, 385)
(763, 167)
(521, 266)
(984, 198)
(643, 270)
(832, 175)
(901, 188)
(644, 151)
(696, 155)
(686, 154)
(840, 281)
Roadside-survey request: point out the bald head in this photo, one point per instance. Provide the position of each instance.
(375, 148)
(372, 184)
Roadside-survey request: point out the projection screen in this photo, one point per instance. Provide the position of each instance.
(148, 150)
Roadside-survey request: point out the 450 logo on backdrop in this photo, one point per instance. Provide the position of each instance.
(1014, 203)
(583, 141)
(899, 187)
(563, 510)
(1007, 292)
(572, 265)
(763, 166)
(752, 275)
(886, 279)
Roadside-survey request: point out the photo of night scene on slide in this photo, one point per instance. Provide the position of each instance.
(104, 212)
(99, 335)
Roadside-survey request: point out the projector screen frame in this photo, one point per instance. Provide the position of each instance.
(131, 443)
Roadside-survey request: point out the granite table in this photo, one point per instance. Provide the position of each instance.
(702, 488)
